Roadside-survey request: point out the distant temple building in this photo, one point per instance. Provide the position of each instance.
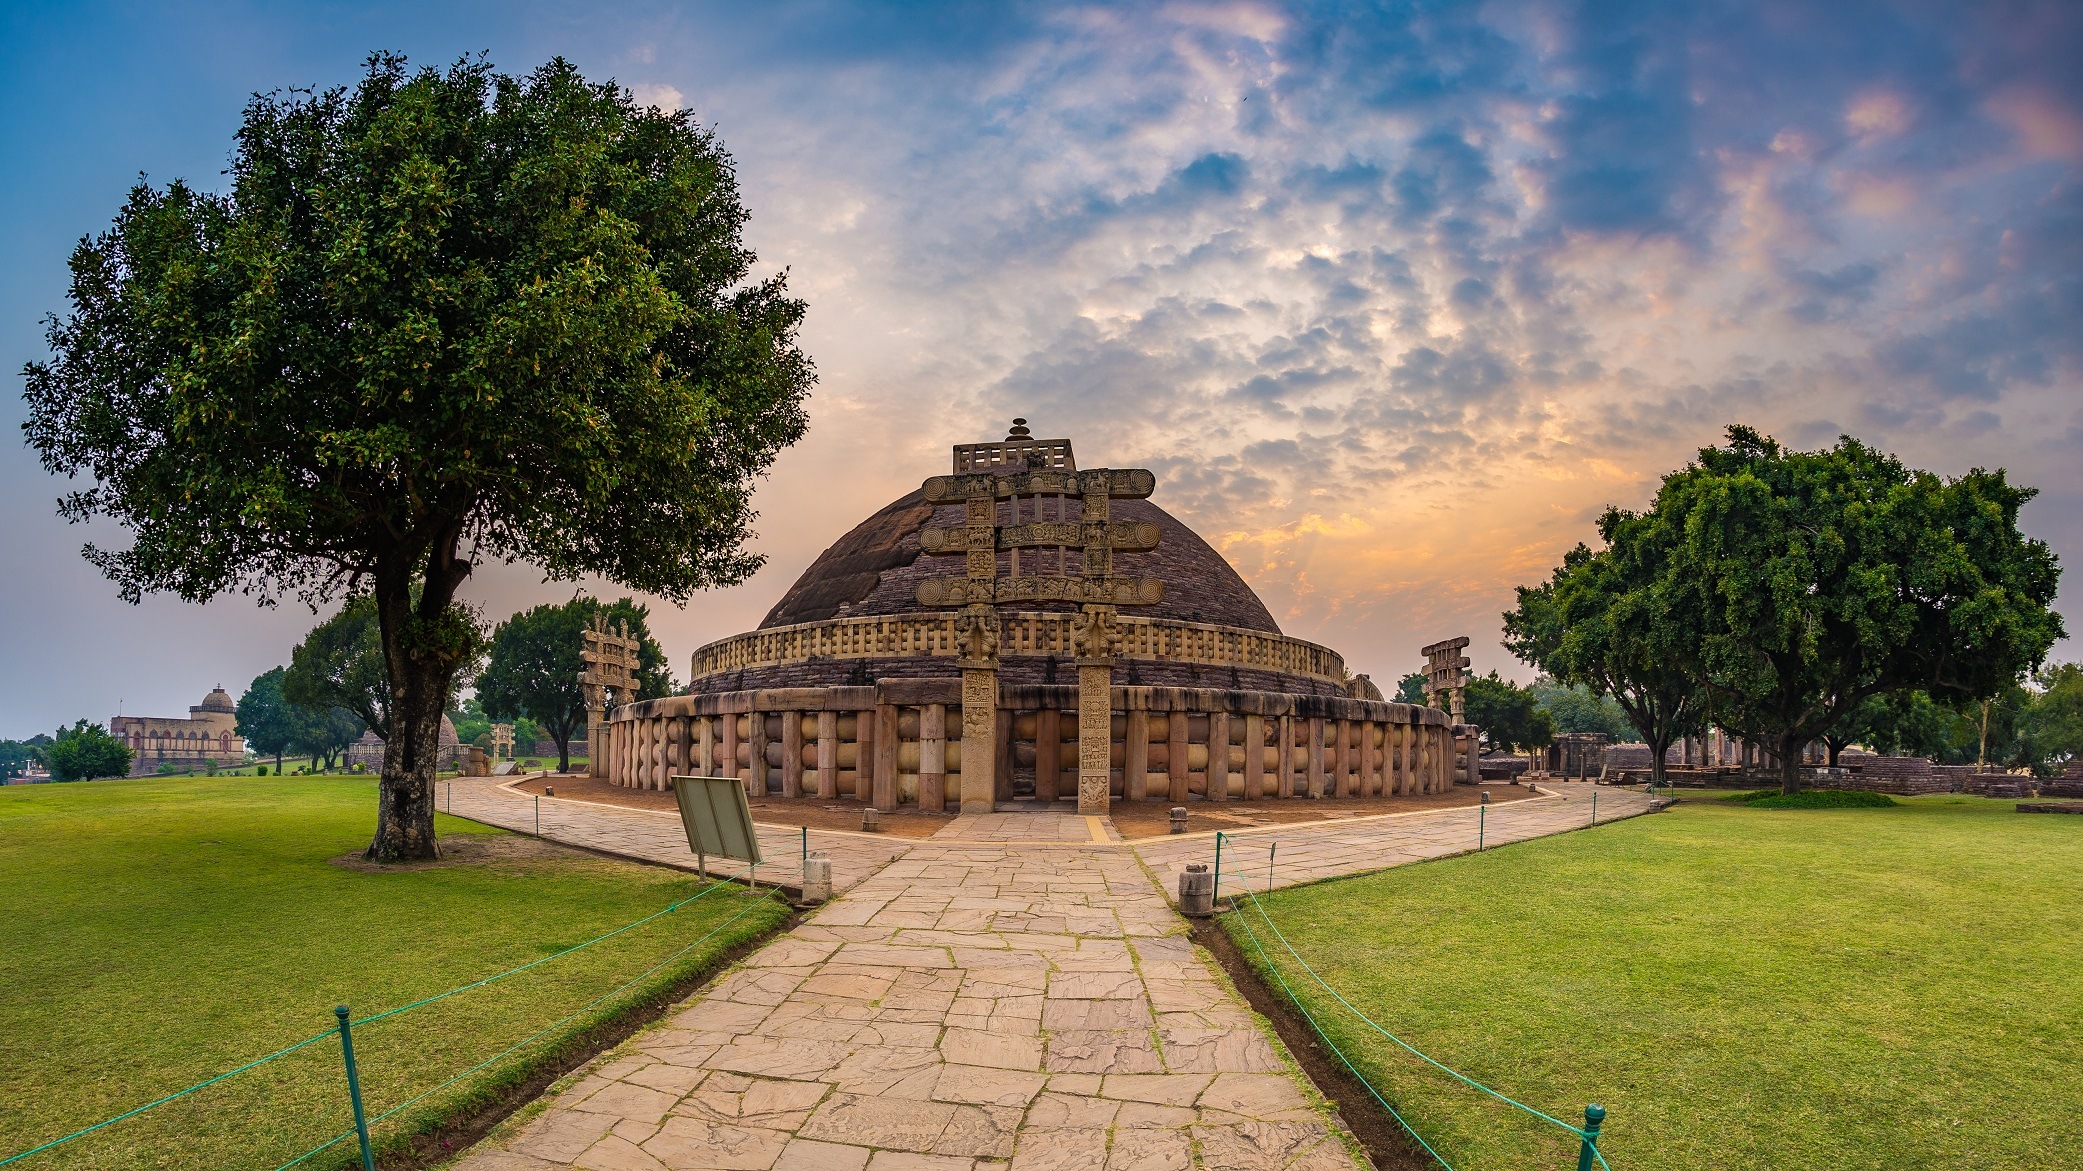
(209, 735)
(368, 751)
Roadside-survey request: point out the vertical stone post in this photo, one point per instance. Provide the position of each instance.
(1315, 757)
(885, 785)
(1286, 759)
(705, 746)
(827, 755)
(1175, 756)
(933, 757)
(1254, 756)
(756, 746)
(1370, 760)
(729, 763)
(1135, 763)
(1098, 635)
(791, 754)
(1218, 756)
(864, 755)
(1048, 751)
(596, 737)
(976, 631)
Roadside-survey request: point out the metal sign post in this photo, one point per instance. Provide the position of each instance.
(718, 820)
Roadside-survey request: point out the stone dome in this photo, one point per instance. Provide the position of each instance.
(876, 568)
(218, 701)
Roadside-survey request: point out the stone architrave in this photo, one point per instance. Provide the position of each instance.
(1446, 676)
(610, 674)
(502, 742)
(1024, 470)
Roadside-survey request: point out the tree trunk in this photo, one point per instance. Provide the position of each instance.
(563, 752)
(405, 795)
(1791, 749)
(1656, 762)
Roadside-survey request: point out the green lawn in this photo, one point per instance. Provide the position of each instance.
(161, 931)
(1741, 988)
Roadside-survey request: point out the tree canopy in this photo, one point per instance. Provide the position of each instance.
(268, 721)
(534, 666)
(85, 752)
(1509, 715)
(444, 316)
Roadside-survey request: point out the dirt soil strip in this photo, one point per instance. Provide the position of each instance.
(1387, 1143)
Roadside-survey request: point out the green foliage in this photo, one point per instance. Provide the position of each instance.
(442, 317)
(1509, 715)
(1411, 688)
(1602, 623)
(1817, 799)
(2050, 730)
(85, 752)
(1804, 583)
(325, 733)
(1576, 708)
(266, 718)
(15, 758)
(341, 664)
(534, 666)
(260, 770)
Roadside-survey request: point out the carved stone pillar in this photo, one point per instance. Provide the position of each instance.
(1254, 756)
(827, 755)
(1098, 636)
(933, 757)
(976, 632)
(1218, 757)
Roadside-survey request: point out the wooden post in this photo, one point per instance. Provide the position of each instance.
(1254, 756)
(1218, 756)
(1135, 763)
(827, 755)
(1048, 751)
(885, 788)
(933, 757)
(791, 754)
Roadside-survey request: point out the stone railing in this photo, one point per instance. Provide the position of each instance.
(899, 742)
(887, 636)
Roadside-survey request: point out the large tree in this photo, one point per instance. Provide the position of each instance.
(1600, 623)
(85, 752)
(268, 721)
(1509, 715)
(341, 664)
(534, 666)
(445, 316)
(1809, 582)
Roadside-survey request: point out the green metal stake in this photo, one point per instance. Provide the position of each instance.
(1594, 807)
(1481, 816)
(538, 815)
(1218, 866)
(1270, 851)
(1594, 1117)
(354, 1089)
(806, 851)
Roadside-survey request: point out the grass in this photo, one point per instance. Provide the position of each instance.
(1740, 987)
(160, 931)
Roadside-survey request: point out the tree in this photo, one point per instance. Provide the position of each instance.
(1576, 708)
(16, 757)
(1509, 715)
(448, 316)
(325, 733)
(341, 664)
(2052, 728)
(1600, 622)
(1411, 688)
(534, 666)
(267, 719)
(86, 751)
(1808, 582)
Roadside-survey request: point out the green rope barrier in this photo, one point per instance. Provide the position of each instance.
(1407, 1046)
(530, 1038)
(493, 979)
(1274, 968)
(314, 1038)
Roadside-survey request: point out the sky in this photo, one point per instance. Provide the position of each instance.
(1395, 299)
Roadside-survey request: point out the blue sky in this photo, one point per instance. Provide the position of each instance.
(1394, 298)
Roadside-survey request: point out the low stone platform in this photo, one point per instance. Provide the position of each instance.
(2050, 807)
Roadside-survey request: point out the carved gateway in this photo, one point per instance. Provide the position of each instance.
(896, 636)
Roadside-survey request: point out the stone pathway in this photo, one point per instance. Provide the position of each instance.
(1045, 827)
(1309, 853)
(657, 836)
(967, 1007)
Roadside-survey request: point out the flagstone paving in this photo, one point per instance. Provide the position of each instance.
(1293, 854)
(650, 835)
(966, 1007)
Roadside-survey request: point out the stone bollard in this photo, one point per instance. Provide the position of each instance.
(549, 790)
(817, 880)
(1486, 796)
(1197, 891)
(871, 821)
(1178, 819)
